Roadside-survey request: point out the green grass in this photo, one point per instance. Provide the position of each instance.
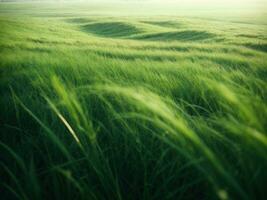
(98, 105)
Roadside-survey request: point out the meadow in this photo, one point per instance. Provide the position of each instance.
(115, 102)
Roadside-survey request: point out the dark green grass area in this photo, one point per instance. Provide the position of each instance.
(259, 47)
(111, 29)
(111, 107)
(188, 35)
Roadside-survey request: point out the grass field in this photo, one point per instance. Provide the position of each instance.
(111, 101)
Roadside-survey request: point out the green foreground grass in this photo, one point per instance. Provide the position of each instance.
(100, 107)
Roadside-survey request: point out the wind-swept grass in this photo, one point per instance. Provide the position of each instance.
(136, 109)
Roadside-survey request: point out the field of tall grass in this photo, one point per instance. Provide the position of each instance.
(100, 105)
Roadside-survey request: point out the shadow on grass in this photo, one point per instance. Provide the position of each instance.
(111, 29)
(188, 35)
(258, 47)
